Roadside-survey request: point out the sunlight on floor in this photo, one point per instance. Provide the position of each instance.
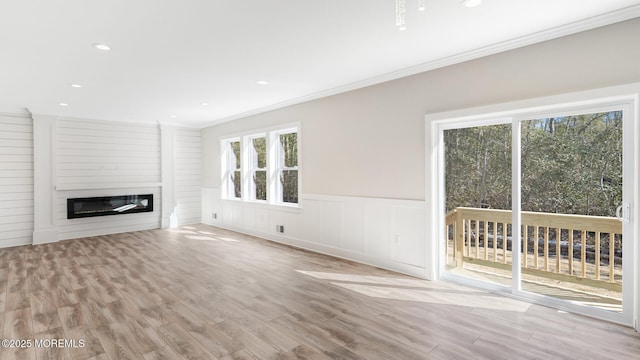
(179, 231)
(434, 292)
(367, 279)
(193, 233)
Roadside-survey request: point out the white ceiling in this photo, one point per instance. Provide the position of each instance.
(170, 56)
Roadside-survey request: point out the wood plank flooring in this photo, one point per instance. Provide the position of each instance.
(200, 292)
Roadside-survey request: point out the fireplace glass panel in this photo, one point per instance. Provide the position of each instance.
(108, 205)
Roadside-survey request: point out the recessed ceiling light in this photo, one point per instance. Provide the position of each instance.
(173, 116)
(102, 47)
(205, 104)
(63, 104)
(262, 82)
(77, 86)
(471, 3)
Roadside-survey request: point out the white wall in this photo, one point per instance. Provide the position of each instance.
(369, 143)
(16, 180)
(93, 153)
(44, 160)
(187, 175)
(96, 158)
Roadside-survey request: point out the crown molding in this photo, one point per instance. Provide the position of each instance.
(609, 18)
(14, 111)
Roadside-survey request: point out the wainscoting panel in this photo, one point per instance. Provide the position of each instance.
(379, 218)
(312, 221)
(354, 227)
(387, 233)
(249, 217)
(237, 214)
(409, 230)
(262, 219)
(16, 180)
(331, 221)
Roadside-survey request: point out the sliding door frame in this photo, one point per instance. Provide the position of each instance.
(622, 97)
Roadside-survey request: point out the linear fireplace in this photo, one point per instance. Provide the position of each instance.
(108, 205)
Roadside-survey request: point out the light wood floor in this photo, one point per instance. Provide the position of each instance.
(204, 293)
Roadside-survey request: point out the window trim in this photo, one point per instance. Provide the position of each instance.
(271, 134)
(280, 166)
(227, 184)
(250, 184)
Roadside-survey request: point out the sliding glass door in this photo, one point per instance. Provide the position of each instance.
(537, 205)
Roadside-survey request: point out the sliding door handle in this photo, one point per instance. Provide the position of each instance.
(622, 212)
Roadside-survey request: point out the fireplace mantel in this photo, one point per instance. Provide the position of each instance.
(133, 185)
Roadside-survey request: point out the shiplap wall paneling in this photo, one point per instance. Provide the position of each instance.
(98, 158)
(106, 153)
(188, 168)
(16, 180)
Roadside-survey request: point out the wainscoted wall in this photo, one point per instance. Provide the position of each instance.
(16, 180)
(387, 233)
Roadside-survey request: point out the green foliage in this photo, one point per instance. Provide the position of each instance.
(260, 181)
(289, 176)
(289, 144)
(570, 164)
(478, 167)
(235, 175)
(260, 148)
(235, 147)
(260, 164)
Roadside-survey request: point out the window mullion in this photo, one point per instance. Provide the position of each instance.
(272, 172)
(245, 168)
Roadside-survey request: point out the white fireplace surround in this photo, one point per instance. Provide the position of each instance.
(77, 158)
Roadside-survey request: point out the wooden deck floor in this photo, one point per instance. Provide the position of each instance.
(204, 293)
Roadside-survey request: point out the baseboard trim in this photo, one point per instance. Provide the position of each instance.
(330, 251)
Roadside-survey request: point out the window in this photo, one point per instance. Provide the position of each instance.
(268, 171)
(258, 168)
(233, 177)
(287, 167)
